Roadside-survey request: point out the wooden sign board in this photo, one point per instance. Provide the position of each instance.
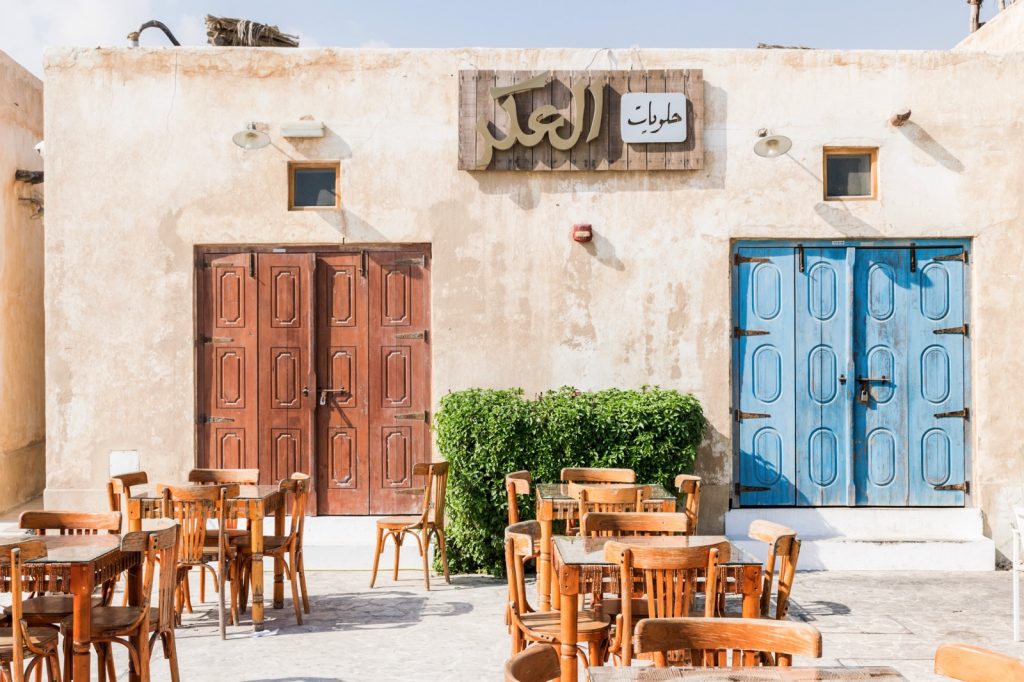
(570, 120)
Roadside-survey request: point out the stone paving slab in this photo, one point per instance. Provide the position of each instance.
(399, 632)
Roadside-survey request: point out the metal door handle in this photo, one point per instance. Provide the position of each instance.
(325, 391)
(864, 397)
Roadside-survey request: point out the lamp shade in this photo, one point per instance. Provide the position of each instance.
(773, 145)
(250, 138)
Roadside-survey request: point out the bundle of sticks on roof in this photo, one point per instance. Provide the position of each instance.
(245, 33)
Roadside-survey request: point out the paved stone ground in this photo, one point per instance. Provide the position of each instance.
(399, 632)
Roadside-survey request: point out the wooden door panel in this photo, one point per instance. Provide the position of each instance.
(399, 390)
(343, 479)
(286, 388)
(227, 382)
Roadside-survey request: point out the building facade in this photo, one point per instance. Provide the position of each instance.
(198, 312)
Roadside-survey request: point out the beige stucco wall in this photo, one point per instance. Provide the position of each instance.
(22, 413)
(142, 168)
(1003, 33)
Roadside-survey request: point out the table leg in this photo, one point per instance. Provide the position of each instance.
(568, 585)
(256, 525)
(544, 582)
(279, 563)
(81, 627)
(133, 584)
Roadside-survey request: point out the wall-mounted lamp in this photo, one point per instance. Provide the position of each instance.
(302, 129)
(899, 117)
(251, 138)
(770, 146)
(582, 233)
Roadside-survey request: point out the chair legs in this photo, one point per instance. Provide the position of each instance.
(376, 555)
(302, 581)
(423, 544)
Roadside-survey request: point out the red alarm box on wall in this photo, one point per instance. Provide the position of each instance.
(582, 233)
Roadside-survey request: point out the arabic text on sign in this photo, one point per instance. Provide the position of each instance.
(653, 117)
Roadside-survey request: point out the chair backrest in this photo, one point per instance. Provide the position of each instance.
(11, 558)
(634, 523)
(537, 663)
(192, 508)
(517, 547)
(595, 475)
(159, 545)
(783, 552)
(70, 522)
(690, 486)
(298, 486)
(119, 488)
(710, 641)
(217, 476)
(668, 578)
(608, 498)
(434, 491)
(517, 483)
(974, 664)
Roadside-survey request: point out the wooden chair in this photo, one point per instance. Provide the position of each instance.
(669, 577)
(537, 663)
(51, 609)
(287, 548)
(518, 483)
(221, 477)
(422, 527)
(597, 476)
(783, 550)
(709, 641)
(974, 664)
(124, 625)
(608, 498)
(690, 486)
(20, 641)
(597, 524)
(192, 508)
(530, 626)
(119, 491)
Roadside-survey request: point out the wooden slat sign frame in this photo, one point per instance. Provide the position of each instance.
(569, 120)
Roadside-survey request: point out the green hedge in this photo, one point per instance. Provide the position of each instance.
(485, 434)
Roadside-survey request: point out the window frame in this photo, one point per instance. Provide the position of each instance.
(849, 151)
(307, 165)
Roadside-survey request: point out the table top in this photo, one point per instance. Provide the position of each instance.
(69, 549)
(245, 492)
(559, 492)
(589, 551)
(854, 674)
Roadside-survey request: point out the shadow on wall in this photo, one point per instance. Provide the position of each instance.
(602, 249)
(930, 146)
(838, 216)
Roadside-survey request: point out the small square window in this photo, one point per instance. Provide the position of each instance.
(851, 172)
(313, 185)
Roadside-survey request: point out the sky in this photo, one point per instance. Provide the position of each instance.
(28, 26)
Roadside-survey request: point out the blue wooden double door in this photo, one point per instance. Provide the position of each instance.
(851, 374)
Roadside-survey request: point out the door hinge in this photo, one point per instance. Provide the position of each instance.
(413, 335)
(215, 339)
(739, 260)
(418, 260)
(913, 257)
(417, 416)
(737, 332)
(964, 329)
(963, 414)
(363, 263)
(740, 489)
(962, 257)
(252, 264)
(800, 254)
(964, 487)
(740, 415)
(215, 420)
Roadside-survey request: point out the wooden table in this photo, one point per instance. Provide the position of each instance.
(869, 674)
(581, 568)
(254, 503)
(76, 564)
(554, 503)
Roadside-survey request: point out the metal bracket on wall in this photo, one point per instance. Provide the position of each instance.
(252, 264)
(413, 335)
(962, 329)
(737, 332)
(739, 260)
(419, 260)
(913, 257)
(800, 255)
(215, 420)
(740, 489)
(962, 257)
(417, 416)
(363, 263)
(740, 415)
(964, 487)
(962, 414)
(215, 339)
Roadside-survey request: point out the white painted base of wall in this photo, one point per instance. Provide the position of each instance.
(864, 539)
(347, 543)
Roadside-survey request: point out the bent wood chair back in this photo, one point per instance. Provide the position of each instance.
(667, 578)
(608, 498)
(537, 663)
(690, 486)
(298, 486)
(517, 483)
(727, 642)
(783, 552)
(11, 558)
(219, 476)
(433, 492)
(192, 508)
(70, 522)
(597, 476)
(119, 489)
(158, 546)
(634, 523)
(973, 664)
